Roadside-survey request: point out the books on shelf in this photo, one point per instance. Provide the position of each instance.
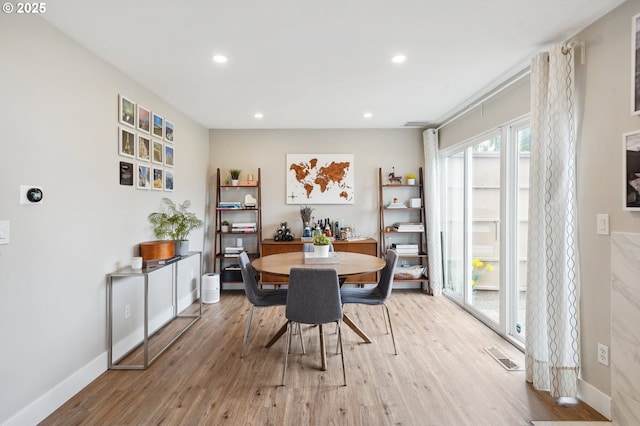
(396, 206)
(229, 205)
(408, 227)
(233, 251)
(406, 248)
(243, 227)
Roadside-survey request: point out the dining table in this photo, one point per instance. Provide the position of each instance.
(346, 264)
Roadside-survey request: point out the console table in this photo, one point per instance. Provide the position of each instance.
(363, 246)
(144, 273)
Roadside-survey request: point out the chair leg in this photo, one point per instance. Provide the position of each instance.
(301, 339)
(287, 347)
(395, 350)
(246, 330)
(386, 328)
(344, 372)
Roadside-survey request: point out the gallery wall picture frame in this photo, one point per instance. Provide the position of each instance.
(144, 176)
(168, 180)
(127, 111)
(126, 173)
(157, 182)
(144, 148)
(157, 152)
(168, 131)
(126, 142)
(631, 171)
(144, 119)
(168, 155)
(158, 126)
(635, 65)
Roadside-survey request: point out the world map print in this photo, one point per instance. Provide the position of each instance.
(320, 178)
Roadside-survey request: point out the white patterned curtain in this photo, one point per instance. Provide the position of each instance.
(432, 209)
(552, 337)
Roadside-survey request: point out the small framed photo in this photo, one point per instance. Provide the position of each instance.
(157, 183)
(127, 111)
(144, 176)
(631, 170)
(157, 152)
(126, 142)
(144, 148)
(144, 119)
(158, 126)
(635, 65)
(168, 180)
(168, 155)
(126, 173)
(168, 130)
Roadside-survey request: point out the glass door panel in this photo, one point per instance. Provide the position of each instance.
(454, 229)
(485, 202)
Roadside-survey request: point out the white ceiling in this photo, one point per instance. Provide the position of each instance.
(320, 64)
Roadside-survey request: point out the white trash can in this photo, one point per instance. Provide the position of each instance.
(210, 288)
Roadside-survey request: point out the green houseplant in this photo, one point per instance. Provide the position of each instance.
(321, 245)
(175, 223)
(235, 175)
(224, 226)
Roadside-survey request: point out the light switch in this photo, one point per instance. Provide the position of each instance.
(4, 232)
(602, 224)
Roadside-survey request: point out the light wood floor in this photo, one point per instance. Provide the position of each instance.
(441, 376)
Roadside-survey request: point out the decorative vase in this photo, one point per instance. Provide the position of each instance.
(182, 247)
(234, 182)
(321, 251)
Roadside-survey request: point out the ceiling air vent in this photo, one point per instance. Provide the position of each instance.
(417, 124)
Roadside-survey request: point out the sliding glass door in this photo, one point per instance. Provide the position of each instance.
(485, 194)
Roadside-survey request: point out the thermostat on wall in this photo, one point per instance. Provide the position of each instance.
(31, 194)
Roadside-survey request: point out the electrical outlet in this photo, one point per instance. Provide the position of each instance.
(127, 310)
(603, 354)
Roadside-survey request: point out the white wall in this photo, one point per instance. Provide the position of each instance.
(604, 88)
(249, 149)
(58, 117)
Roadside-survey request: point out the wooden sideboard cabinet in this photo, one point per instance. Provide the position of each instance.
(364, 246)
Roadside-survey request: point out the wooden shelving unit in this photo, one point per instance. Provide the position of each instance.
(389, 216)
(232, 278)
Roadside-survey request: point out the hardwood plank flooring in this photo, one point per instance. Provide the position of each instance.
(441, 375)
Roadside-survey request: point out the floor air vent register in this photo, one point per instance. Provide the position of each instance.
(502, 359)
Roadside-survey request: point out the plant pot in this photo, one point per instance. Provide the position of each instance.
(182, 247)
(224, 228)
(234, 182)
(411, 181)
(321, 251)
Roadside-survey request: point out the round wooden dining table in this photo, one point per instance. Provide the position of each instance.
(345, 263)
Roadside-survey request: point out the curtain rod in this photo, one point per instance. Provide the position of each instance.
(485, 98)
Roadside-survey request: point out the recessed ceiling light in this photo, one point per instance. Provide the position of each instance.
(398, 59)
(367, 115)
(219, 59)
(258, 115)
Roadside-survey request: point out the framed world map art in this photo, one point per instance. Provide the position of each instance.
(320, 179)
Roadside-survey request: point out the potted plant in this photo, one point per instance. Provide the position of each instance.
(411, 179)
(224, 226)
(235, 175)
(321, 245)
(175, 223)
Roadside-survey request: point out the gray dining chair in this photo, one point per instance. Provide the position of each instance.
(377, 295)
(313, 298)
(257, 296)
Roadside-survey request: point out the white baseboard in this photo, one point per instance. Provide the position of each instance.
(46, 404)
(595, 398)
